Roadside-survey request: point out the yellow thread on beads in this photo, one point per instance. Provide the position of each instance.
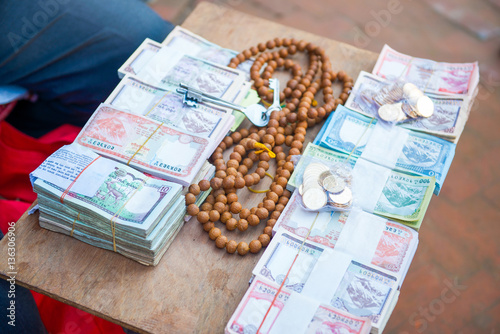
(264, 148)
(261, 191)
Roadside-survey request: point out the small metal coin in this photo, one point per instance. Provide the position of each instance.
(314, 199)
(301, 190)
(425, 106)
(389, 112)
(408, 87)
(342, 198)
(334, 184)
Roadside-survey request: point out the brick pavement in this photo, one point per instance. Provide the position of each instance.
(453, 283)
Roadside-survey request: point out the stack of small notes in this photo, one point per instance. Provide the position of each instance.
(121, 184)
(341, 271)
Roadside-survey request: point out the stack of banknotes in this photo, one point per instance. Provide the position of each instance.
(143, 146)
(108, 204)
(342, 271)
(414, 152)
(451, 86)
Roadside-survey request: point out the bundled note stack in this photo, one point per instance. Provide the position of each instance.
(353, 263)
(108, 204)
(119, 186)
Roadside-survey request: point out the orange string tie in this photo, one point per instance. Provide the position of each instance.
(264, 148)
(145, 142)
(74, 221)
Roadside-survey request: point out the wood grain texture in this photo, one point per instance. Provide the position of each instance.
(196, 287)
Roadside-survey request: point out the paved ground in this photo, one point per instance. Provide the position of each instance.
(453, 283)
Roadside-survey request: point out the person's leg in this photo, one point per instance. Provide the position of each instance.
(68, 52)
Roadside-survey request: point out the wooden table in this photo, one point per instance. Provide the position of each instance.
(196, 287)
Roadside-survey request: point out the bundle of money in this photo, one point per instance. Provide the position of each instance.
(108, 204)
(413, 152)
(377, 189)
(262, 311)
(169, 152)
(448, 120)
(330, 277)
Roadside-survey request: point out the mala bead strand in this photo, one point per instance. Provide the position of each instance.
(286, 127)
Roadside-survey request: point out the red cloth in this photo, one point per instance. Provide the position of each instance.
(20, 155)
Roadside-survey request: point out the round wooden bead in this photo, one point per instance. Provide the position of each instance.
(225, 216)
(190, 199)
(275, 214)
(239, 182)
(262, 213)
(277, 189)
(243, 248)
(214, 233)
(221, 241)
(244, 213)
(214, 215)
(203, 217)
(193, 209)
(253, 220)
(221, 198)
(219, 207)
(242, 225)
(255, 246)
(235, 207)
(194, 189)
(204, 185)
(271, 222)
(249, 180)
(228, 182)
(208, 226)
(272, 196)
(220, 174)
(206, 206)
(216, 183)
(264, 239)
(231, 198)
(268, 230)
(231, 246)
(269, 205)
(231, 224)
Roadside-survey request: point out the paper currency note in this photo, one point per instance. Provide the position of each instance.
(364, 291)
(166, 106)
(422, 154)
(139, 58)
(295, 219)
(144, 143)
(428, 75)
(280, 255)
(315, 153)
(197, 46)
(330, 320)
(253, 307)
(448, 120)
(170, 66)
(393, 247)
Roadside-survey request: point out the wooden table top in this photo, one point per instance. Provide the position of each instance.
(195, 287)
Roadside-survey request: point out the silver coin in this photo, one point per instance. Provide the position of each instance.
(408, 87)
(301, 190)
(342, 198)
(314, 199)
(333, 184)
(425, 106)
(389, 112)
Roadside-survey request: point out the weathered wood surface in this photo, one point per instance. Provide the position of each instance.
(196, 287)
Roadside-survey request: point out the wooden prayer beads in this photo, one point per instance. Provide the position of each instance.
(286, 127)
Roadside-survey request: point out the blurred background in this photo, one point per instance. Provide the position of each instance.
(453, 282)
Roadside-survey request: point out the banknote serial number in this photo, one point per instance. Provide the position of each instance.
(407, 179)
(101, 144)
(340, 318)
(375, 276)
(167, 166)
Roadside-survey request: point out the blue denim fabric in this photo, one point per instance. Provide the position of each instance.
(68, 52)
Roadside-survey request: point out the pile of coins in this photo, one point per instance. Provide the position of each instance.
(401, 102)
(322, 186)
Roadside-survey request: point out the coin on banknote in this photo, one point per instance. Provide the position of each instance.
(314, 199)
(389, 112)
(342, 198)
(333, 184)
(425, 106)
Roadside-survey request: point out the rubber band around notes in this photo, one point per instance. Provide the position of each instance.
(113, 223)
(288, 273)
(145, 142)
(261, 191)
(74, 221)
(65, 192)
